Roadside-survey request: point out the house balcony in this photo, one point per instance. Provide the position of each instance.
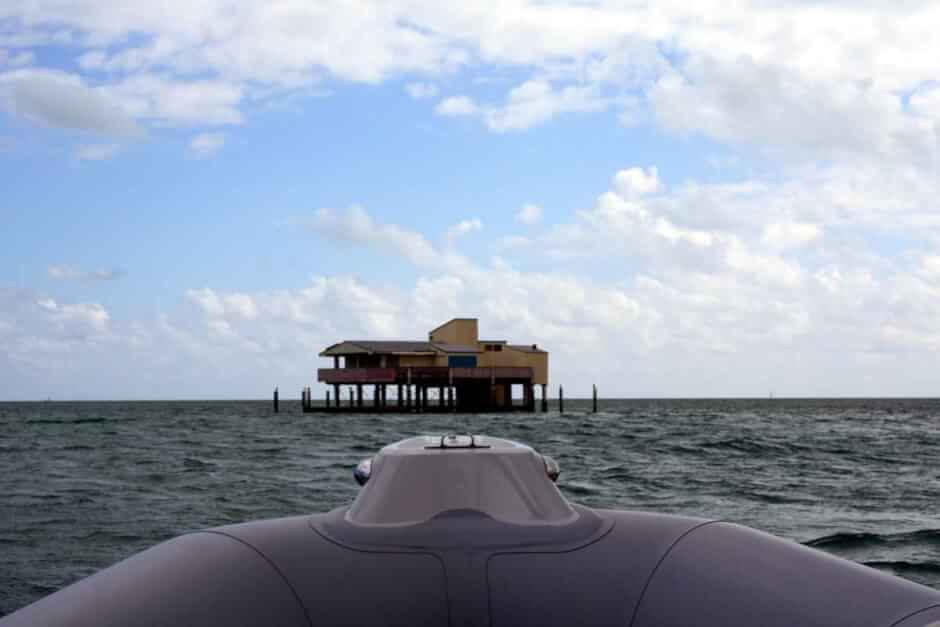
(431, 375)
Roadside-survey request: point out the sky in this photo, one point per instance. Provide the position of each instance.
(676, 199)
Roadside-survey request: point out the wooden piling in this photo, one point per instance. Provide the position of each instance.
(544, 398)
(595, 399)
(276, 408)
(561, 400)
(327, 399)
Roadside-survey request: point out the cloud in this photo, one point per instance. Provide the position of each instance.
(80, 320)
(636, 181)
(205, 144)
(530, 104)
(537, 101)
(421, 91)
(464, 227)
(456, 106)
(74, 273)
(61, 100)
(789, 235)
(96, 152)
(529, 214)
(356, 226)
(179, 102)
(789, 114)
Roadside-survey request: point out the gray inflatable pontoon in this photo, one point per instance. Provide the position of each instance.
(471, 530)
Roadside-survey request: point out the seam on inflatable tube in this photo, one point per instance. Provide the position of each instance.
(912, 615)
(271, 564)
(568, 549)
(649, 580)
(356, 549)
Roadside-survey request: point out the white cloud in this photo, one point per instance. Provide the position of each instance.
(61, 100)
(96, 152)
(537, 101)
(180, 102)
(74, 273)
(80, 319)
(456, 106)
(636, 181)
(421, 91)
(206, 144)
(464, 227)
(788, 235)
(356, 226)
(529, 214)
(529, 104)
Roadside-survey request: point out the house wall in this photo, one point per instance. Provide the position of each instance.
(515, 358)
(414, 361)
(459, 331)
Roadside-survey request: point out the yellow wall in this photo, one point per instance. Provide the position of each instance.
(414, 361)
(458, 331)
(509, 357)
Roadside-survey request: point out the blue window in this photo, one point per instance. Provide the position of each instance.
(462, 361)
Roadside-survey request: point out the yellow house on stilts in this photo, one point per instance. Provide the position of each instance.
(453, 370)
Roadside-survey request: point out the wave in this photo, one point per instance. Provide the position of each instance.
(904, 568)
(747, 446)
(66, 421)
(854, 540)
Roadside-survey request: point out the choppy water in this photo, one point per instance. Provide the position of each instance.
(83, 485)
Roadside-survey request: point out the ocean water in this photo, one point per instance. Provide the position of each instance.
(83, 485)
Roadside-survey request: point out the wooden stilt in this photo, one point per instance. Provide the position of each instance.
(595, 399)
(544, 398)
(561, 400)
(276, 406)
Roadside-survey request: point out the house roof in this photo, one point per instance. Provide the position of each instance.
(455, 348)
(393, 347)
(526, 348)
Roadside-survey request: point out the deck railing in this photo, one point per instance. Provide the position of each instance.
(420, 374)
